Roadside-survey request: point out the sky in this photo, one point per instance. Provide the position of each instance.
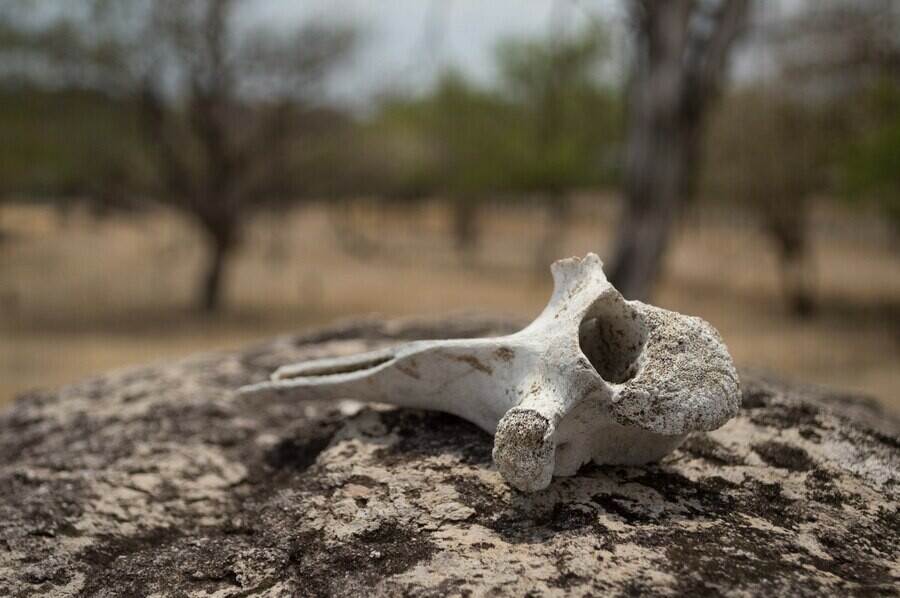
(406, 43)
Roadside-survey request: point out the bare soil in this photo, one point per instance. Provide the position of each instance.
(80, 295)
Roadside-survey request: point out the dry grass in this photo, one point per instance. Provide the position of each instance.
(82, 296)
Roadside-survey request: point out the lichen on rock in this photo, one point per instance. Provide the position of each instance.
(160, 480)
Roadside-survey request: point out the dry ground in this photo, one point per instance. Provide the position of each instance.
(79, 296)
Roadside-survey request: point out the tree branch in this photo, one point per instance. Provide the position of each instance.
(712, 50)
(176, 173)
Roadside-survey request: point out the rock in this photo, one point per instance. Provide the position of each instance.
(159, 480)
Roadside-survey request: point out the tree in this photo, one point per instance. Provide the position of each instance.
(217, 101)
(869, 167)
(568, 116)
(837, 48)
(536, 134)
(769, 152)
(846, 53)
(827, 112)
(681, 50)
(460, 137)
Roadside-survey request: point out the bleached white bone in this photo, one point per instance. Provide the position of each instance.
(593, 378)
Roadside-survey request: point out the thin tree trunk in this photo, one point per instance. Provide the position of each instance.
(797, 287)
(220, 246)
(557, 212)
(465, 229)
(793, 253)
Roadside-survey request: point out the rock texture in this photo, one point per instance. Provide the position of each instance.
(161, 481)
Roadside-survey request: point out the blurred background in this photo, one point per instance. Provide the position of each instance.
(183, 175)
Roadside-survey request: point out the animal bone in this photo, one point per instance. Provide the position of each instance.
(593, 378)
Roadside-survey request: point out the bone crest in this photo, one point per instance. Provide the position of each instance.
(593, 378)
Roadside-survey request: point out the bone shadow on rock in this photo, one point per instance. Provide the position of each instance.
(646, 496)
(643, 498)
(420, 434)
(432, 434)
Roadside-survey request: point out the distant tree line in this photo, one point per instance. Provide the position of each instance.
(825, 119)
(216, 118)
(550, 125)
(181, 102)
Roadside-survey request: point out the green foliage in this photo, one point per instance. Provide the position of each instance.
(568, 118)
(61, 143)
(550, 124)
(772, 153)
(470, 131)
(766, 151)
(545, 129)
(870, 166)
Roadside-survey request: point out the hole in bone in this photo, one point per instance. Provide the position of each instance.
(612, 337)
(342, 368)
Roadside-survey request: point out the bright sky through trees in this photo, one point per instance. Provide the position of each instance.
(409, 42)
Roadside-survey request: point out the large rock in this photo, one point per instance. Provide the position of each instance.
(158, 480)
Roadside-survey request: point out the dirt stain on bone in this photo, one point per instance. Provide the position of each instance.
(474, 362)
(410, 368)
(505, 354)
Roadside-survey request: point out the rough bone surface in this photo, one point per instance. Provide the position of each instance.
(159, 481)
(594, 378)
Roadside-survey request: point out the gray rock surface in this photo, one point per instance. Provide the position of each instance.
(160, 481)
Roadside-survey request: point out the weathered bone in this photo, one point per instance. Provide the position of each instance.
(593, 378)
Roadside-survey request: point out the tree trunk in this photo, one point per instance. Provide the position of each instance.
(656, 182)
(677, 68)
(792, 245)
(557, 209)
(656, 160)
(220, 246)
(796, 283)
(465, 229)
